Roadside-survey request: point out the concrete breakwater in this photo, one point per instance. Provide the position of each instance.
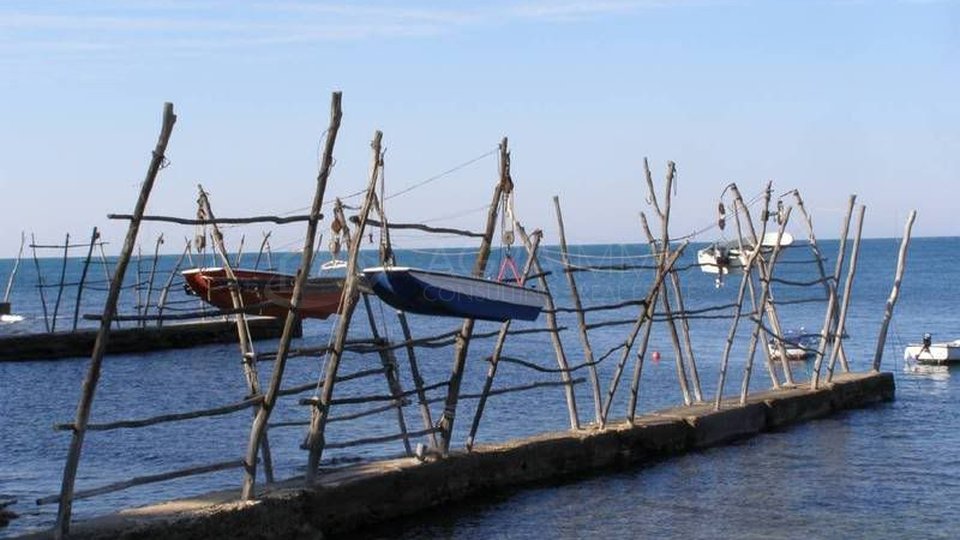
(357, 496)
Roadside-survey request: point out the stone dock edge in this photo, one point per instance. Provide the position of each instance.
(359, 496)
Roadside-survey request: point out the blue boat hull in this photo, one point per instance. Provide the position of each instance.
(408, 292)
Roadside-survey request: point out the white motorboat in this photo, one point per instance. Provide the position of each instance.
(928, 352)
(724, 258)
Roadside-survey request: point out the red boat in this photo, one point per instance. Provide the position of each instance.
(266, 293)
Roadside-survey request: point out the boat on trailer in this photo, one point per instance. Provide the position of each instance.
(930, 353)
(443, 294)
(265, 292)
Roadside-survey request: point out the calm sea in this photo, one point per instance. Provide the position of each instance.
(890, 471)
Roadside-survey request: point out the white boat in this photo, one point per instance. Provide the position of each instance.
(931, 353)
(724, 258)
(797, 345)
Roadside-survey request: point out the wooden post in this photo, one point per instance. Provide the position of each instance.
(106, 271)
(63, 276)
(551, 315)
(390, 372)
(40, 287)
(263, 244)
(738, 310)
(581, 317)
(243, 238)
(827, 330)
(248, 354)
(138, 286)
(847, 291)
(258, 430)
(504, 185)
(318, 420)
(83, 277)
(153, 273)
(417, 379)
(162, 302)
(497, 349)
(16, 266)
(103, 334)
(895, 292)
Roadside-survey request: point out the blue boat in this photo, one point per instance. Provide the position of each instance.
(450, 295)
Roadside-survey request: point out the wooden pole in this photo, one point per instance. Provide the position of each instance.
(103, 334)
(40, 287)
(16, 266)
(738, 310)
(827, 330)
(153, 274)
(504, 185)
(315, 438)
(895, 292)
(162, 302)
(497, 349)
(243, 238)
(847, 291)
(248, 354)
(390, 372)
(263, 244)
(83, 277)
(581, 318)
(63, 276)
(417, 379)
(138, 286)
(106, 270)
(551, 316)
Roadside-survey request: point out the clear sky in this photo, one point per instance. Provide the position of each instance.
(832, 97)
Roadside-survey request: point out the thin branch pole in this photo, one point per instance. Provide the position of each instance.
(138, 286)
(16, 266)
(417, 379)
(581, 318)
(103, 335)
(504, 186)
(248, 354)
(153, 274)
(847, 292)
(638, 367)
(316, 436)
(106, 272)
(895, 292)
(63, 276)
(40, 286)
(818, 257)
(388, 361)
(162, 302)
(263, 244)
(725, 358)
(497, 349)
(243, 238)
(551, 315)
(827, 330)
(83, 277)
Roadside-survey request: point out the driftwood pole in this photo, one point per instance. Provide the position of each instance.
(498, 348)
(106, 270)
(248, 354)
(827, 330)
(63, 277)
(321, 411)
(103, 334)
(153, 274)
(40, 286)
(581, 317)
(263, 244)
(895, 292)
(390, 368)
(551, 314)
(258, 430)
(847, 291)
(417, 379)
(83, 277)
(13, 273)
(504, 186)
(162, 301)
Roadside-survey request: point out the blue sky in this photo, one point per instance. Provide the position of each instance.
(831, 97)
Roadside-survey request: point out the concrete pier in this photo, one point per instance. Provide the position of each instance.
(135, 340)
(353, 497)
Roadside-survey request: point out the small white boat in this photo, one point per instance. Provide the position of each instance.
(797, 345)
(931, 353)
(727, 257)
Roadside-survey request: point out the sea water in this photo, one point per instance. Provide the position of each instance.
(888, 471)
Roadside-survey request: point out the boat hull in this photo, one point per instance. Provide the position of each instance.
(266, 293)
(934, 354)
(448, 295)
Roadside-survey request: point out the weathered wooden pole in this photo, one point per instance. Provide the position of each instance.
(103, 334)
(504, 186)
(581, 317)
(417, 379)
(550, 309)
(107, 276)
(895, 292)
(63, 277)
(243, 238)
(847, 291)
(390, 369)
(351, 288)
(263, 244)
(13, 272)
(83, 277)
(827, 331)
(165, 292)
(40, 286)
(497, 349)
(153, 274)
(259, 427)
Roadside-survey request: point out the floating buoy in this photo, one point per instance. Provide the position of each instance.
(656, 356)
